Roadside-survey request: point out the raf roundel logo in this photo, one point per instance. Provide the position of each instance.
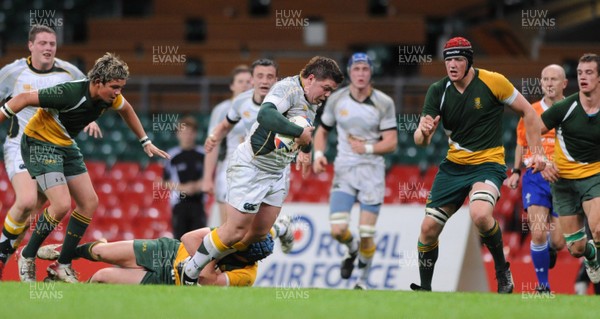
(304, 233)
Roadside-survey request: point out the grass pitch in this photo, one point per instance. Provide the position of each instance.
(57, 300)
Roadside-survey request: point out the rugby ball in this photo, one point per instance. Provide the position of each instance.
(287, 143)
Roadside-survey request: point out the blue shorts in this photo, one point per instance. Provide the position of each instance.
(342, 202)
(536, 191)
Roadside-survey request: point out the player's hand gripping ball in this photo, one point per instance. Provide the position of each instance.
(287, 143)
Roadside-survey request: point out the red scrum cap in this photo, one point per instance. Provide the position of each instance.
(459, 46)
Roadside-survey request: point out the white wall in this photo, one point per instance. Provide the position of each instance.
(315, 259)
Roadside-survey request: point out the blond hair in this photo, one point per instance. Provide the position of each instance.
(108, 68)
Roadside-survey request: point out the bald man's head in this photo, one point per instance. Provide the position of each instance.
(554, 82)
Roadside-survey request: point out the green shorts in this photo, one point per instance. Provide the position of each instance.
(453, 182)
(157, 256)
(41, 158)
(569, 194)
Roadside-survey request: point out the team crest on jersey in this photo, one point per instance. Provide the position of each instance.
(478, 105)
(344, 112)
(305, 107)
(27, 87)
(246, 114)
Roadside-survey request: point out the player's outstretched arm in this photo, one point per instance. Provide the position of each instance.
(132, 120)
(16, 104)
(533, 124)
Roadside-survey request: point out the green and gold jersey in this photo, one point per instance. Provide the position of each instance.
(472, 120)
(576, 148)
(65, 109)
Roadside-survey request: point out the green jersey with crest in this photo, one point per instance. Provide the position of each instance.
(66, 109)
(472, 119)
(576, 147)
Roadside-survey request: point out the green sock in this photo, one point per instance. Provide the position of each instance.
(6, 247)
(428, 255)
(44, 226)
(493, 241)
(75, 230)
(590, 251)
(85, 251)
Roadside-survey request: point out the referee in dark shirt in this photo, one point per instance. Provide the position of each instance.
(183, 175)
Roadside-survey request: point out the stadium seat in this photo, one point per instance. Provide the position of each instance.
(106, 202)
(96, 169)
(7, 197)
(131, 209)
(153, 172)
(512, 243)
(127, 171)
(109, 184)
(524, 253)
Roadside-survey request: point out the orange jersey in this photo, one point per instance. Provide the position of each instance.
(547, 139)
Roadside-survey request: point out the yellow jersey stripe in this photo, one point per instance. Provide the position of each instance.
(499, 85)
(118, 103)
(465, 157)
(569, 168)
(44, 126)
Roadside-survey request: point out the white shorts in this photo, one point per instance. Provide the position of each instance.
(221, 181)
(366, 182)
(13, 161)
(249, 186)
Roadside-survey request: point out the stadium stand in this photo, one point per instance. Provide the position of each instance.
(214, 38)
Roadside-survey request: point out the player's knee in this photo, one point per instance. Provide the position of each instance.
(25, 203)
(481, 219)
(576, 243)
(89, 205)
(481, 202)
(60, 207)
(576, 250)
(430, 230)
(538, 233)
(255, 237)
(595, 232)
(435, 218)
(100, 276)
(559, 244)
(236, 233)
(339, 231)
(339, 224)
(366, 231)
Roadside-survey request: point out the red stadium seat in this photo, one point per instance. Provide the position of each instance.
(512, 243)
(153, 172)
(7, 194)
(109, 185)
(108, 200)
(404, 184)
(126, 171)
(96, 169)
